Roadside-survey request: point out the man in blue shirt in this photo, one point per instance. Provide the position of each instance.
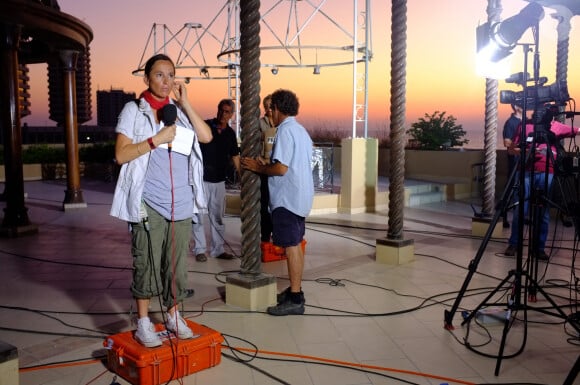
(291, 193)
(510, 129)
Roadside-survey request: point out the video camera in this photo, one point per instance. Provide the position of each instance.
(556, 92)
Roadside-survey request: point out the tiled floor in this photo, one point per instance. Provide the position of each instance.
(65, 289)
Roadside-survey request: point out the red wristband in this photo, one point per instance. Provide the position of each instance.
(151, 144)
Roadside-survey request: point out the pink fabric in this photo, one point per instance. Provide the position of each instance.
(560, 131)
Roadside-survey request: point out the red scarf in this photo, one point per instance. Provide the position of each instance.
(154, 103)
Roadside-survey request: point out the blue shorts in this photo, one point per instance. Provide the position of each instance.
(288, 228)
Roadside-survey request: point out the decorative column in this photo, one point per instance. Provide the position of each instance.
(251, 289)
(73, 198)
(16, 221)
(480, 225)
(395, 249)
(563, 15)
(250, 134)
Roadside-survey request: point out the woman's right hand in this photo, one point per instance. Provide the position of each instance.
(165, 135)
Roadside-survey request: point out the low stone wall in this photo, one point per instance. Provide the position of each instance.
(456, 167)
(106, 172)
(30, 172)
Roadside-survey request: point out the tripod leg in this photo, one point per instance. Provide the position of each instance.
(448, 314)
(573, 373)
(509, 205)
(504, 201)
(559, 311)
(536, 215)
(504, 334)
(489, 296)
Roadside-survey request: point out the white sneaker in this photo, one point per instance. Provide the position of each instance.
(146, 334)
(178, 326)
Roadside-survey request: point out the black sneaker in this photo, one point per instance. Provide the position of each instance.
(225, 256)
(510, 251)
(287, 308)
(542, 256)
(282, 296)
(287, 295)
(566, 221)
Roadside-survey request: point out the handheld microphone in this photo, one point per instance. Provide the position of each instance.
(168, 116)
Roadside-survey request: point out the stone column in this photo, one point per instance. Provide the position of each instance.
(359, 170)
(394, 249)
(250, 289)
(480, 224)
(73, 198)
(16, 221)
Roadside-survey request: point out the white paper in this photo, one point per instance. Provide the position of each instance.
(183, 141)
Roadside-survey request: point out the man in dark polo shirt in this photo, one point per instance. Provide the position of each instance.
(217, 156)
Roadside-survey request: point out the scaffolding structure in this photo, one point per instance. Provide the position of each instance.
(212, 51)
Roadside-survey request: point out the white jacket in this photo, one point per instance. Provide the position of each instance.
(138, 119)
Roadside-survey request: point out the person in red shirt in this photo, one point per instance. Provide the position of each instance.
(542, 146)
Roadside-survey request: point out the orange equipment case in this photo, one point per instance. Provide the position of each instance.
(174, 359)
(271, 252)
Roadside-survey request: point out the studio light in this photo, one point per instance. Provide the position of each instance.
(495, 41)
(498, 40)
(204, 72)
(274, 70)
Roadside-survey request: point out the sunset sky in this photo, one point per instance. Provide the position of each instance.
(441, 66)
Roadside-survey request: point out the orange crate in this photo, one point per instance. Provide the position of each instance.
(271, 253)
(154, 366)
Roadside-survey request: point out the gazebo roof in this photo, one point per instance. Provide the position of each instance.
(45, 30)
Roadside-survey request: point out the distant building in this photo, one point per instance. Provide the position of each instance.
(109, 106)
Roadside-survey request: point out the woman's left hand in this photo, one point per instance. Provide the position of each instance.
(180, 92)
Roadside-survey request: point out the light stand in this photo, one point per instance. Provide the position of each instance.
(519, 274)
(495, 42)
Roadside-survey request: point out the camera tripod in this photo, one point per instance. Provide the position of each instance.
(524, 286)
